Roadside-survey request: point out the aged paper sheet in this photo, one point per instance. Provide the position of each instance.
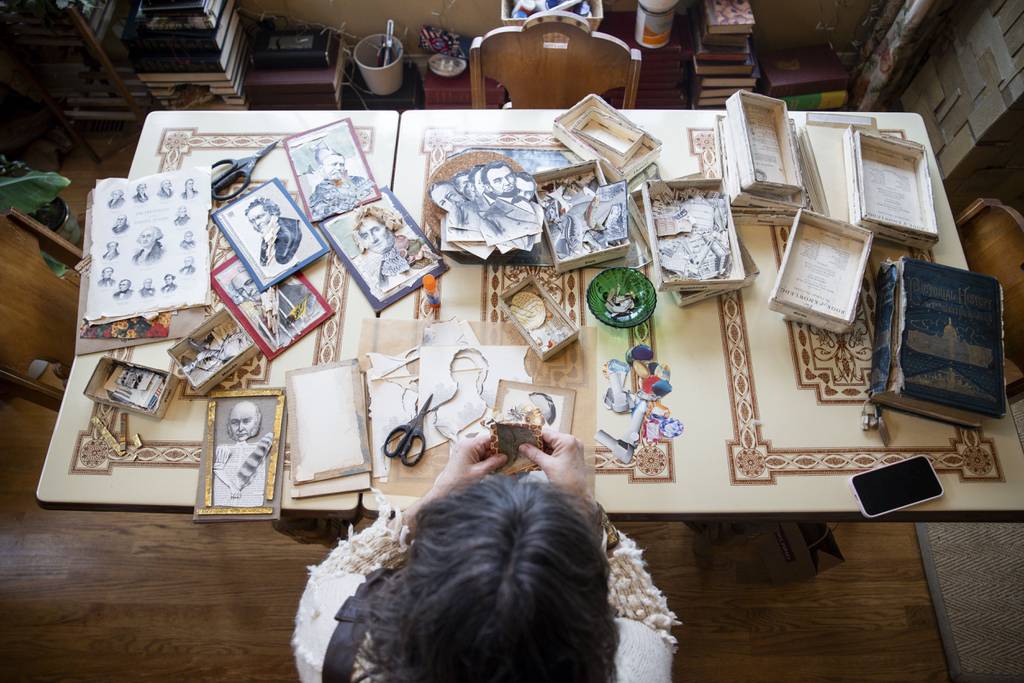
(765, 147)
(890, 188)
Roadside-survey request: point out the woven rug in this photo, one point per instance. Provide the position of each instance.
(976, 578)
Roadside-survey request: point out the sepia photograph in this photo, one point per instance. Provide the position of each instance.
(331, 170)
(269, 233)
(384, 250)
(241, 459)
(277, 317)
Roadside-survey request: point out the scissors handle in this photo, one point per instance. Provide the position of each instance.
(401, 448)
(228, 176)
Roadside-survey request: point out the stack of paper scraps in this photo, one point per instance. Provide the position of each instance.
(450, 364)
(489, 207)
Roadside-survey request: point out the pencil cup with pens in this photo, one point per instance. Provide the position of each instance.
(379, 57)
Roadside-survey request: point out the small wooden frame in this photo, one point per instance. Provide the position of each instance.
(596, 14)
(646, 152)
(179, 352)
(616, 139)
(664, 281)
(594, 257)
(765, 149)
(890, 188)
(553, 315)
(94, 388)
(821, 272)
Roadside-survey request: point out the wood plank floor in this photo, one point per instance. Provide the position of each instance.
(114, 596)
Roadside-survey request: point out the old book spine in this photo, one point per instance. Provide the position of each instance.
(881, 356)
(833, 99)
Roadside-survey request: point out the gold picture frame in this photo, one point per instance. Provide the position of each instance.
(208, 509)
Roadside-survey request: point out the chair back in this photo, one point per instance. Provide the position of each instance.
(39, 310)
(553, 61)
(992, 236)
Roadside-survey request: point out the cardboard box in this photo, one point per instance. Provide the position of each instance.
(889, 188)
(664, 281)
(584, 260)
(553, 311)
(596, 14)
(179, 351)
(749, 202)
(646, 153)
(822, 269)
(765, 151)
(95, 392)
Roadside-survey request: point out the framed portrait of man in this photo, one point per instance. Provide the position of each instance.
(384, 250)
(330, 169)
(240, 466)
(269, 234)
(277, 317)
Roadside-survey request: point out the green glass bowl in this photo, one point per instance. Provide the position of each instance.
(623, 281)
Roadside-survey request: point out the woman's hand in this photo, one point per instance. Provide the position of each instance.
(469, 461)
(564, 466)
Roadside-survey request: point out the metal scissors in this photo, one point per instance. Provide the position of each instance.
(406, 435)
(238, 168)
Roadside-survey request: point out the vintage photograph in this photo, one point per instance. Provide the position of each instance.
(582, 216)
(205, 356)
(535, 404)
(269, 233)
(241, 460)
(277, 317)
(330, 170)
(384, 250)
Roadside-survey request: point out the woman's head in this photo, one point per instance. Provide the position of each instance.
(506, 581)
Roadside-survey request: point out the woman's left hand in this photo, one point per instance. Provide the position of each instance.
(470, 461)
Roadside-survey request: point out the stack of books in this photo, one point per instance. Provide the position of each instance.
(663, 73)
(723, 58)
(805, 77)
(177, 45)
(296, 70)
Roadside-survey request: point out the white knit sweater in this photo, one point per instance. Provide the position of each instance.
(643, 618)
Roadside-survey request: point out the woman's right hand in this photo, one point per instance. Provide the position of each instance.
(564, 465)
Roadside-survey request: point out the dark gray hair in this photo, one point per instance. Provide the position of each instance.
(269, 205)
(505, 581)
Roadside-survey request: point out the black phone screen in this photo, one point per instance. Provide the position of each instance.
(896, 486)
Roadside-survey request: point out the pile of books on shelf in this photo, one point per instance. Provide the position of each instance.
(179, 47)
(296, 70)
(723, 57)
(805, 77)
(663, 73)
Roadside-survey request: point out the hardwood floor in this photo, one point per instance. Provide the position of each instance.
(116, 596)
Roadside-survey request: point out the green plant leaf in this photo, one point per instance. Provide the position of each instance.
(32, 191)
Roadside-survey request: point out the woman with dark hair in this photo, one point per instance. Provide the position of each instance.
(488, 578)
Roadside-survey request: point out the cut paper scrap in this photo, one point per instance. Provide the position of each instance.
(383, 366)
(453, 332)
(391, 405)
(465, 408)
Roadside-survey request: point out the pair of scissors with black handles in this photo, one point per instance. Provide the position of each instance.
(237, 169)
(402, 439)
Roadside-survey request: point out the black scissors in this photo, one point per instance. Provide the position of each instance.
(407, 434)
(238, 168)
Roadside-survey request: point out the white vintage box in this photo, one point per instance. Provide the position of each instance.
(646, 152)
(765, 151)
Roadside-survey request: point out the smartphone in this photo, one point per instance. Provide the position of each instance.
(896, 486)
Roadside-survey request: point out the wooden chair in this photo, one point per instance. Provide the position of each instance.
(553, 61)
(992, 236)
(39, 310)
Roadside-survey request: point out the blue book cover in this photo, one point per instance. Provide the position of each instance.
(951, 349)
(881, 355)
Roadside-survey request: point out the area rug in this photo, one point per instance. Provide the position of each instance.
(976, 578)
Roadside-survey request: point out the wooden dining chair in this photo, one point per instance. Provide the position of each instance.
(992, 236)
(552, 61)
(39, 310)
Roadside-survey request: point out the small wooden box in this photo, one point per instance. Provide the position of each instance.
(596, 14)
(646, 152)
(662, 280)
(890, 189)
(616, 140)
(94, 388)
(553, 312)
(765, 151)
(585, 260)
(178, 351)
(821, 272)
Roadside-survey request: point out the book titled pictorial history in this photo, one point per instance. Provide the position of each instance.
(938, 342)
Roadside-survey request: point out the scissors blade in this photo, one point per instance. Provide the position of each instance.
(266, 150)
(426, 406)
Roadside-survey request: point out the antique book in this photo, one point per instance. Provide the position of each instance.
(801, 71)
(938, 348)
(728, 16)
